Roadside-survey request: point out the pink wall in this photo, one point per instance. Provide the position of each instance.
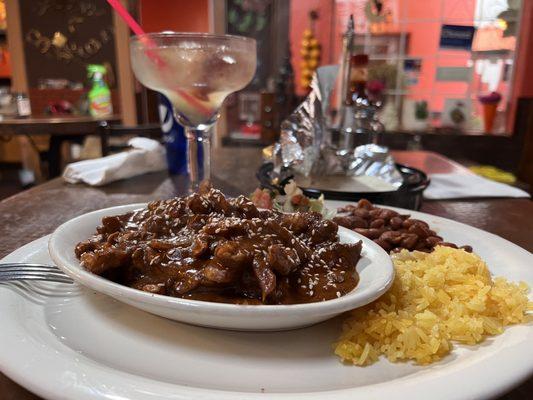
(424, 25)
(424, 37)
(424, 28)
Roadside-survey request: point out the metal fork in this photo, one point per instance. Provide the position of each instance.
(34, 272)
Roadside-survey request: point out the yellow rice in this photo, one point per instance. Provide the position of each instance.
(437, 298)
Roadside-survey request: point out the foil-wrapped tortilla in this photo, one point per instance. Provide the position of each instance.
(305, 147)
(302, 133)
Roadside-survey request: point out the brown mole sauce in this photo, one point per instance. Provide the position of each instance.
(206, 247)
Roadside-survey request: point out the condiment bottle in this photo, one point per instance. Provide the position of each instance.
(23, 105)
(360, 125)
(358, 80)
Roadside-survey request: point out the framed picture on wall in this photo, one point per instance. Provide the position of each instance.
(457, 113)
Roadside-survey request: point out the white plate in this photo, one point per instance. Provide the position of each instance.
(73, 343)
(375, 270)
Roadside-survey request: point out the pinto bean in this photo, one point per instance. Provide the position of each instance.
(345, 221)
(372, 233)
(419, 230)
(374, 213)
(399, 231)
(384, 244)
(364, 203)
(361, 213)
(433, 240)
(396, 223)
(359, 222)
(467, 248)
(409, 241)
(393, 237)
(387, 214)
(411, 221)
(377, 223)
(421, 245)
(447, 244)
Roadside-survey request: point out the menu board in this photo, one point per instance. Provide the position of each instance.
(61, 37)
(253, 19)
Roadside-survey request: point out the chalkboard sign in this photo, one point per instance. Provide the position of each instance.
(457, 37)
(62, 36)
(252, 19)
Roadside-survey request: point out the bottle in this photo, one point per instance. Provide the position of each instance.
(23, 105)
(360, 125)
(99, 96)
(173, 138)
(336, 101)
(354, 98)
(357, 96)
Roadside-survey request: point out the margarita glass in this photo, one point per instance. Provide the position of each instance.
(196, 72)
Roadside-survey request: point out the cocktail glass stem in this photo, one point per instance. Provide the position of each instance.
(198, 156)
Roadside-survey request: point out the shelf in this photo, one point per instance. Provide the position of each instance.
(500, 54)
(363, 36)
(447, 132)
(229, 141)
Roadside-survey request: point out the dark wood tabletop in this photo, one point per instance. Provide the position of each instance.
(56, 125)
(38, 211)
(59, 129)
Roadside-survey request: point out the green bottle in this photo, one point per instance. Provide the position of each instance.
(99, 95)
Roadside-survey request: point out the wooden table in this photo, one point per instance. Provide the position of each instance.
(429, 162)
(60, 129)
(36, 212)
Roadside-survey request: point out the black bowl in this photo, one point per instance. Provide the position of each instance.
(408, 195)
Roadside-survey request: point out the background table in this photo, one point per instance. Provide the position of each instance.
(60, 129)
(36, 212)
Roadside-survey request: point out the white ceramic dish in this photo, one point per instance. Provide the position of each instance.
(69, 342)
(375, 270)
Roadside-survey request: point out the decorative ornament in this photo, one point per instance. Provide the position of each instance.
(248, 17)
(374, 11)
(457, 114)
(63, 45)
(59, 39)
(310, 52)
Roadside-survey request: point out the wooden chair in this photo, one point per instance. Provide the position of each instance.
(524, 127)
(107, 132)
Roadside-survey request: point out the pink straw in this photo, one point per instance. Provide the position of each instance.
(136, 28)
(126, 16)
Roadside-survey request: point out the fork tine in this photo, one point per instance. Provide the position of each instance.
(20, 267)
(26, 264)
(37, 278)
(20, 275)
(5, 266)
(21, 271)
(28, 268)
(40, 273)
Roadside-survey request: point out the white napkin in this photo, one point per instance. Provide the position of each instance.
(147, 155)
(464, 185)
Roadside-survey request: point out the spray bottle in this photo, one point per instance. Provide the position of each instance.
(99, 95)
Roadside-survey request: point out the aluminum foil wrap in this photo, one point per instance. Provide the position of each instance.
(305, 147)
(374, 160)
(302, 134)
